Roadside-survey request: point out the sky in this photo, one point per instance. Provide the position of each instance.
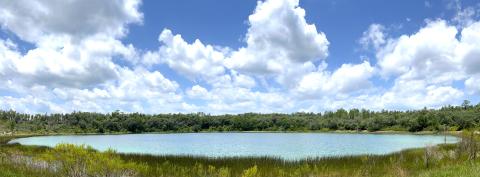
(228, 57)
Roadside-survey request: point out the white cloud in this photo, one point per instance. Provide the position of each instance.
(74, 65)
(231, 87)
(278, 37)
(414, 94)
(28, 104)
(75, 41)
(195, 61)
(472, 84)
(433, 54)
(198, 91)
(293, 73)
(404, 95)
(469, 53)
(241, 80)
(469, 48)
(142, 83)
(374, 37)
(135, 90)
(428, 54)
(425, 65)
(347, 79)
(34, 20)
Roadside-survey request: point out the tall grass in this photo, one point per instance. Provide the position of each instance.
(406, 162)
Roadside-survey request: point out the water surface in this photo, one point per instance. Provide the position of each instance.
(289, 146)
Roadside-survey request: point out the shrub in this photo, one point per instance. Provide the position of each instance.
(79, 161)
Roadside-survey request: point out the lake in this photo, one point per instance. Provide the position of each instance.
(288, 146)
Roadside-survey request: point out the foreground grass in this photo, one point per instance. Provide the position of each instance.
(405, 163)
(465, 169)
(68, 160)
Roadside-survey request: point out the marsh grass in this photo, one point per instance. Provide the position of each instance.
(406, 163)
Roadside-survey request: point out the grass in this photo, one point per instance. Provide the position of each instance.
(409, 163)
(464, 169)
(450, 160)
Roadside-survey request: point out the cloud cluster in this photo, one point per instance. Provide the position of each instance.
(38, 21)
(278, 36)
(76, 63)
(72, 65)
(66, 53)
(347, 79)
(195, 61)
(425, 65)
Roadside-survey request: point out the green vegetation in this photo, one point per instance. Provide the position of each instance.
(450, 118)
(449, 160)
(71, 160)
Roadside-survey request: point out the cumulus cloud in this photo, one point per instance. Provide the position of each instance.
(277, 37)
(79, 64)
(135, 90)
(75, 41)
(35, 21)
(469, 53)
(433, 54)
(28, 104)
(425, 65)
(472, 84)
(241, 80)
(413, 94)
(198, 91)
(195, 61)
(73, 63)
(279, 41)
(428, 54)
(347, 79)
(469, 48)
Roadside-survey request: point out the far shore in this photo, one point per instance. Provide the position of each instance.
(5, 138)
(9, 134)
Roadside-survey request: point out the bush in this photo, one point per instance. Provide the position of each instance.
(78, 161)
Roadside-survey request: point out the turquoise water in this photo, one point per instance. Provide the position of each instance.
(289, 146)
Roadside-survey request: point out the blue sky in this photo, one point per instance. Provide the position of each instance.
(225, 22)
(238, 56)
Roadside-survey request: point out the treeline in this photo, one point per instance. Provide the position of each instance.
(446, 118)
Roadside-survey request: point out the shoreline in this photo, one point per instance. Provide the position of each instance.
(179, 132)
(456, 134)
(448, 133)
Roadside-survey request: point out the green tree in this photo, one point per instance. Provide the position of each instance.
(11, 125)
(465, 104)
